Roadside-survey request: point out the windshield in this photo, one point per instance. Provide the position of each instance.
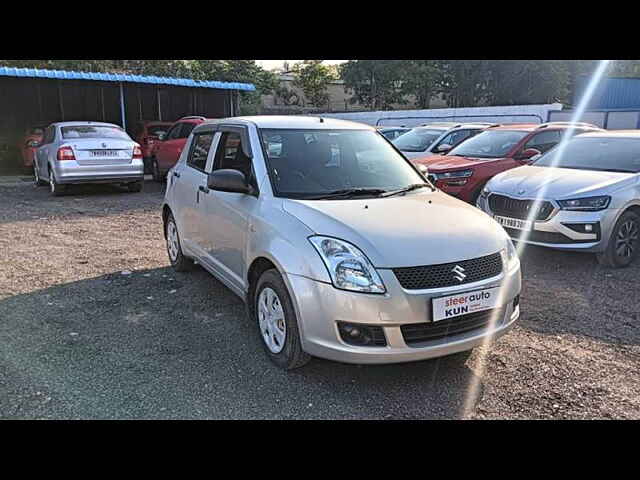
(310, 163)
(417, 140)
(94, 131)
(489, 144)
(594, 153)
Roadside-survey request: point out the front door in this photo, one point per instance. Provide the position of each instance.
(227, 214)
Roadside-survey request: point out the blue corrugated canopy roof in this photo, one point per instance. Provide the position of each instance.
(120, 77)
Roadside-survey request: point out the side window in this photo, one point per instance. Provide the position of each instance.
(174, 132)
(456, 137)
(230, 154)
(200, 146)
(543, 141)
(186, 129)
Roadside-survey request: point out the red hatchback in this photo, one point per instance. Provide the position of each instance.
(146, 134)
(465, 170)
(167, 149)
(32, 136)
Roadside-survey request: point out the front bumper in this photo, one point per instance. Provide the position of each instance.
(556, 233)
(320, 306)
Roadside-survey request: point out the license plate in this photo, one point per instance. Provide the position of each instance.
(453, 306)
(513, 223)
(104, 153)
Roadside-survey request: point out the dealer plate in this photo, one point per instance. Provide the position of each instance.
(464, 303)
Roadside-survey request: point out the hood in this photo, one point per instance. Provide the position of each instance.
(438, 163)
(404, 231)
(557, 183)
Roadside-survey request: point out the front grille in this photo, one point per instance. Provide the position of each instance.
(543, 237)
(415, 333)
(516, 208)
(438, 276)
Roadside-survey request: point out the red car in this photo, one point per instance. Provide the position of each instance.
(146, 134)
(464, 170)
(27, 149)
(167, 149)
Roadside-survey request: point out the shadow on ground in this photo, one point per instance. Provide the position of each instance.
(159, 344)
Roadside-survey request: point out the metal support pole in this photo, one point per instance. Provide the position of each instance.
(231, 113)
(104, 117)
(41, 114)
(124, 123)
(159, 108)
(60, 100)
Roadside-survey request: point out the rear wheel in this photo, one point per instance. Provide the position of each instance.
(135, 186)
(179, 262)
(155, 171)
(624, 242)
(277, 322)
(55, 188)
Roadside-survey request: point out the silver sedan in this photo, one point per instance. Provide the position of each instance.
(87, 152)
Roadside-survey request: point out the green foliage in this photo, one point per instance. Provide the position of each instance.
(376, 84)
(313, 78)
(422, 79)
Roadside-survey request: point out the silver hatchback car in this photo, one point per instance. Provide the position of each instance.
(87, 152)
(338, 245)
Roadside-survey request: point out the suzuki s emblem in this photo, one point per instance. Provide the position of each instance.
(458, 273)
(104, 145)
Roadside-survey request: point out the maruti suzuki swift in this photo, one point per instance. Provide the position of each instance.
(339, 246)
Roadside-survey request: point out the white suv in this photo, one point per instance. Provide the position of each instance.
(338, 245)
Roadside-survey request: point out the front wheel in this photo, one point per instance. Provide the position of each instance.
(178, 260)
(277, 322)
(623, 245)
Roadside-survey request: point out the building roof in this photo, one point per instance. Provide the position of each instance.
(119, 77)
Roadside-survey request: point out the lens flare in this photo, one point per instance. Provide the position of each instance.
(473, 390)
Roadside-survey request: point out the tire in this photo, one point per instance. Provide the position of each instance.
(39, 181)
(178, 260)
(135, 186)
(277, 322)
(624, 243)
(155, 171)
(54, 187)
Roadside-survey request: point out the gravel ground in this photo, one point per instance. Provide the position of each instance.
(80, 339)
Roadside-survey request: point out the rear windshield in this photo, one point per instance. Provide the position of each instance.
(158, 129)
(417, 140)
(489, 144)
(93, 131)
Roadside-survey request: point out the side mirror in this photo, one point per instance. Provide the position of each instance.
(33, 143)
(528, 154)
(228, 180)
(443, 148)
(160, 137)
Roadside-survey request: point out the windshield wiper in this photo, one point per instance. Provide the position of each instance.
(411, 187)
(348, 192)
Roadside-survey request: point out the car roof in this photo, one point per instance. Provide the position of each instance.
(531, 127)
(612, 134)
(293, 122)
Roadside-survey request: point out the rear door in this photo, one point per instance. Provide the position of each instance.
(169, 151)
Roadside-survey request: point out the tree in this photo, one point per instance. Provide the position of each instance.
(521, 82)
(376, 84)
(422, 80)
(464, 82)
(314, 78)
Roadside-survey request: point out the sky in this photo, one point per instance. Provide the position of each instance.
(271, 64)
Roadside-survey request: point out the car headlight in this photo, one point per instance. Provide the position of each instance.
(458, 174)
(586, 203)
(348, 267)
(509, 255)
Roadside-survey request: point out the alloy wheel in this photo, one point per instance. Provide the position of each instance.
(627, 239)
(173, 245)
(271, 320)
